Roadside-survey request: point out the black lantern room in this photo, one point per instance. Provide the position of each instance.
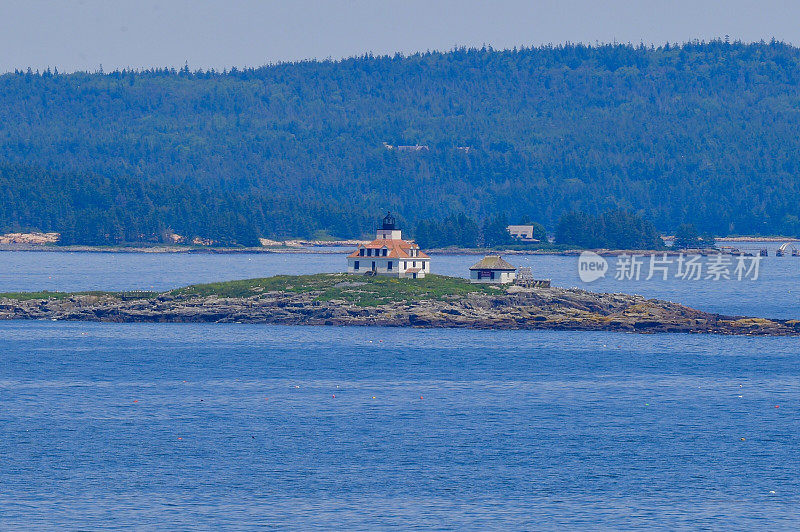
(388, 222)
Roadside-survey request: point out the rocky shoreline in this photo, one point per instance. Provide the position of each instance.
(341, 302)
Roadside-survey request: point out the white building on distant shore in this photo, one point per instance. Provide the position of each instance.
(389, 255)
(522, 232)
(492, 269)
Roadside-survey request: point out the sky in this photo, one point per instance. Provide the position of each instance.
(84, 34)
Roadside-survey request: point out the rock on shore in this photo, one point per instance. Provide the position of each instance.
(338, 299)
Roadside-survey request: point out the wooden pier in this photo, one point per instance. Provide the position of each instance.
(525, 278)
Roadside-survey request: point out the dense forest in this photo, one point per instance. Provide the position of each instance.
(706, 134)
(610, 230)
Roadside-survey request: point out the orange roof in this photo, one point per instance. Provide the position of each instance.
(397, 249)
(385, 242)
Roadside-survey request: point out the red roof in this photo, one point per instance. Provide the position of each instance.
(397, 249)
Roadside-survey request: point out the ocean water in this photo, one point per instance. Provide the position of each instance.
(775, 294)
(189, 426)
(206, 426)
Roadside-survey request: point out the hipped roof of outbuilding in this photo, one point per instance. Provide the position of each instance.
(492, 262)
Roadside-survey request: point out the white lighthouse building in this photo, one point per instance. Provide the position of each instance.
(389, 255)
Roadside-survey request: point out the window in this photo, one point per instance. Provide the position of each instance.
(373, 264)
(385, 252)
(414, 264)
(361, 252)
(355, 266)
(485, 274)
(389, 265)
(405, 265)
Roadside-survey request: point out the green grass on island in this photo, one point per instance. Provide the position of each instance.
(45, 294)
(357, 289)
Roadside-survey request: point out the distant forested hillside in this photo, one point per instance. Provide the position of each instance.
(704, 133)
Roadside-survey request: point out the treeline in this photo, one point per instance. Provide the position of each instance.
(687, 237)
(456, 230)
(96, 210)
(611, 230)
(462, 231)
(704, 133)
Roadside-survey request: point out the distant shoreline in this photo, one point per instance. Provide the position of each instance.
(344, 251)
(341, 247)
(755, 239)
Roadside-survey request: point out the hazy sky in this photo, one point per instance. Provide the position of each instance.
(83, 34)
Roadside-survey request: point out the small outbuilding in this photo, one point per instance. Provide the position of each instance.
(492, 269)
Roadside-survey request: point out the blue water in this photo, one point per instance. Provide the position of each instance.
(776, 294)
(181, 426)
(184, 426)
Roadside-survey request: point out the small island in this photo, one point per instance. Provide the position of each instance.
(342, 299)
